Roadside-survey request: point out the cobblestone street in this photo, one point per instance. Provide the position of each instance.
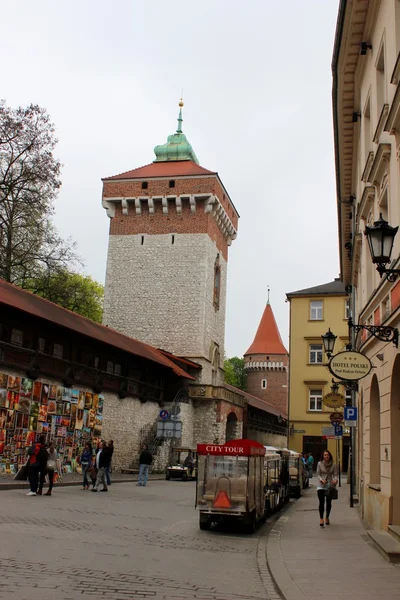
(129, 543)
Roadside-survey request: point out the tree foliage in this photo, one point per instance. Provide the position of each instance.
(235, 373)
(78, 293)
(29, 183)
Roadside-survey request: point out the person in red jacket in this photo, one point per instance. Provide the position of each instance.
(37, 462)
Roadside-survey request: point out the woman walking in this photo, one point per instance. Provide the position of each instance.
(86, 464)
(51, 466)
(327, 474)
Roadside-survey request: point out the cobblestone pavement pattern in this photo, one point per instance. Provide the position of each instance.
(129, 543)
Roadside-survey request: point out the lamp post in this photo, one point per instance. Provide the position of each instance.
(380, 238)
(329, 340)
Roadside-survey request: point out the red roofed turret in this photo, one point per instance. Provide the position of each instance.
(268, 339)
(266, 363)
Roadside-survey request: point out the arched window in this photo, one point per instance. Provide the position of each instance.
(217, 283)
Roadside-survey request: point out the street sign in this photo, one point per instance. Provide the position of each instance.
(328, 432)
(164, 415)
(338, 431)
(350, 365)
(334, 400)
(350, 413)
(169, 429)
(336, 418)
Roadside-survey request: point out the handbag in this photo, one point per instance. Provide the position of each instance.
(332, 493)
(51, 465)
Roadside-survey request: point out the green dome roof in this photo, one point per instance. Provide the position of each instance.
(177, 146)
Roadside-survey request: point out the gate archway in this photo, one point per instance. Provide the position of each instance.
(231, 427)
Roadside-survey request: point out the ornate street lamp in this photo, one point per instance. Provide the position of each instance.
(329, 340)
(380, 238)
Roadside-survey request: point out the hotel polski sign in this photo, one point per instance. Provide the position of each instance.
(350, 365)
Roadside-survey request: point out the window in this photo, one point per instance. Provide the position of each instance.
(347, 309)
(385, 307)
(110, 367)
(96, 362)
(348, 397)
(263, 384)
(145, 185)
(42, 344)
(366, 124)
(217, 283)
(315, 354)
(172, 183)
(315, 400)
(58, 350)
(316, 310)
(380, 81)
(17, 337)
(117, 369)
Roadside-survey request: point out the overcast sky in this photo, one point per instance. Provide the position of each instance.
(256, 79)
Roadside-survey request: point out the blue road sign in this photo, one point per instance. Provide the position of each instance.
(350, 413)
(338, 430)
(164, 415)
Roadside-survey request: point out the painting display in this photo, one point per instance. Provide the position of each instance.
(28, 409)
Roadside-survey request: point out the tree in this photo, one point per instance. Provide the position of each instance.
(235, 373)
(78, 293)
(29, 183)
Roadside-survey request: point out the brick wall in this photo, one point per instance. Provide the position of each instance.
(268, 439)
(276, 392)
(160, 187)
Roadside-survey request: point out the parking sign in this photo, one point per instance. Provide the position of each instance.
(338, 431)
(350, 413)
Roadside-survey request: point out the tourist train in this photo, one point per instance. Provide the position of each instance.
(245, 481)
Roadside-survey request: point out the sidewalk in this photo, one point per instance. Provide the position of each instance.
(309, 562)
(7, 481)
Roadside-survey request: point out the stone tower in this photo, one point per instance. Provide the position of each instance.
(171, 223)
(266, 363)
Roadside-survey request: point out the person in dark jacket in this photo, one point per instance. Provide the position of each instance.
(110, 446)
(37, 464)
(145, 460)
(103, 459)
(86, 464)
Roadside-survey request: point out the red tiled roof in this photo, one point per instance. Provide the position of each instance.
(257, 402)
(180, 359)
(29, 303)
(268, 339)
(164, 169)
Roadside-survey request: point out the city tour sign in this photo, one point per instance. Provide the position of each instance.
(350, 365)
(334, 400)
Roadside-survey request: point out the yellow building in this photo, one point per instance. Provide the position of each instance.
(312, 312)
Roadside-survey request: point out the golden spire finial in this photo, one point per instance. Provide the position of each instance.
(181, 101)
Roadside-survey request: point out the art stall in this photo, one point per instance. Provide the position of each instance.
(69, 417)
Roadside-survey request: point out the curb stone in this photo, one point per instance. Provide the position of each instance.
(277, 568)
(15, 485)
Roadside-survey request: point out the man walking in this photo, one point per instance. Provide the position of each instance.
(103, 459)
(145, 460)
